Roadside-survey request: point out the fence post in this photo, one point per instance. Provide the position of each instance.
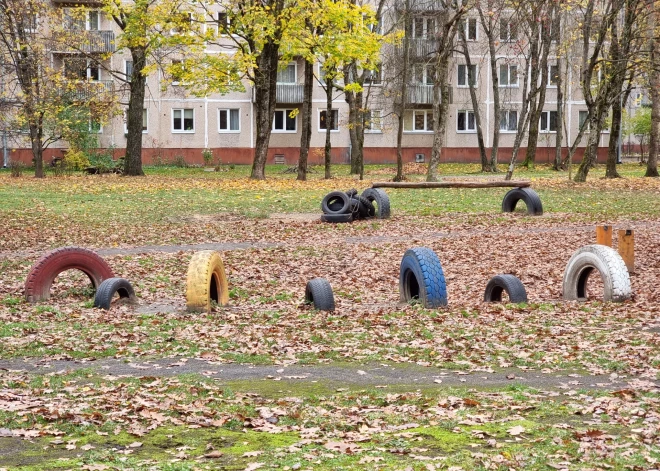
(626, 248)
(604, 235)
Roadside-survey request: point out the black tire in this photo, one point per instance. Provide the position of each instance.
(364, 207)
(335, 202)
(529, 197)
(319, 292)
(337, 218)
(421, 277)
(351, 193)
(501, 283)
(378, 196)
(107, 289)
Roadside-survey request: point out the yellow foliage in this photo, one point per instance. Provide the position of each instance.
(76, 160)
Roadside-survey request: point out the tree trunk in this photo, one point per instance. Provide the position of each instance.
(401, 108)
(591, 151)
(485, 166)
(133, 159)
(330, 122)
(440, 112)
(265, 88)
(496, 101)
(559, 137)
(37, 150)
(654, 78)
(306, 119)
(613, 146)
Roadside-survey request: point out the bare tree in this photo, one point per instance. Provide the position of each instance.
(654, 89)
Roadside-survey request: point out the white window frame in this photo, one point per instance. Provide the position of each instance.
(550, 84)
(369, 128)
(509, 22)
(229, 130)
(425, 69)
(336, 123)
(145, 111)
(295, 74)
(379, 75)
(177, 61)
(88, 20)
(426, 129)
(182, 130)
(100, 131)
(466, 25)
(586, 112)
(467, 80)
(126, 62)
(508, 75)
(321, 80)
(467, 120)
(547, 120)
(426, 34)
(287, 112)
(508, 113)
(34, 23)
(89, 72)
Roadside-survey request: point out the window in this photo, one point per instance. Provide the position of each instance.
(323, 72)
(418, 121)
(93, 72)
(548, 121)
(555, 29)
(508, 75)
(222, 22)
(466, 73)
(372, 77)
(469, 27)
(508, 30)
(423, 27)
(95, 126)
(372, 121)
(93, 20)
(465, 121)
(145, 121)
(508, 120)
(129, 70)
(553, 75)
(30, 22)
(183, 22)
(283, 122)
(583, 116)
(423, 74)
(229, 120)
(287, 75)
(323, 120)
(176, 71)
(183, 120)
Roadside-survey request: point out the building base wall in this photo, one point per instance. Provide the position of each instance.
(340, 155)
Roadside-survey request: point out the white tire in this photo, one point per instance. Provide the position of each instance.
(610, 265)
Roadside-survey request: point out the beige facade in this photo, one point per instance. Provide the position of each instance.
(177, 124)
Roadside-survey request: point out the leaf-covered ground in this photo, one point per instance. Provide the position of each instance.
(139, 224)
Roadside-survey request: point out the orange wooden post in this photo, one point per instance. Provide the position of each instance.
(627, 248)
(604, 235)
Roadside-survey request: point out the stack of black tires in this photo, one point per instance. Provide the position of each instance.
(347, 206)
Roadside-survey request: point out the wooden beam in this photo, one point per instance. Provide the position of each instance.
(626, 248)
(486, 184)
(604, 235)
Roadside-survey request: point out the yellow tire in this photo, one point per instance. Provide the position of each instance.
(206, 281)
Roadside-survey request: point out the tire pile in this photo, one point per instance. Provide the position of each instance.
(348, 206)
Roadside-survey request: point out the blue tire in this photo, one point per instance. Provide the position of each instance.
(421, 278)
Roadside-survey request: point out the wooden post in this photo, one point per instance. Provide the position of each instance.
(627, 248)
(604, 235)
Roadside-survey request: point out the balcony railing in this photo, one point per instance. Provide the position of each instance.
(419, 94)
(289, 93)
(76, 3)
(85, 41)
(86, 90)
(423, 47)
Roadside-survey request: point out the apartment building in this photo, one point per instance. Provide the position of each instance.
(176, 124)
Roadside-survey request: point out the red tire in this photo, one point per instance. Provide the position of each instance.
(45, 270)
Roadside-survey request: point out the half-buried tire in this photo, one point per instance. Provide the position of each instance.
(529, 197)
(505, 283)
(206, 281)
(337, 218)
(365, 209)
(381, 200)
(107, 290)
(421, 278)
(319, 292)
(335, 202)
(45, 270)
(610, 265)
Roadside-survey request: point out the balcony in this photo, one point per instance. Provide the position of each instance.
(419, 94)
(289, 93)
(78, 3)
(86, 90)
(423, 47)
(89, 42)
